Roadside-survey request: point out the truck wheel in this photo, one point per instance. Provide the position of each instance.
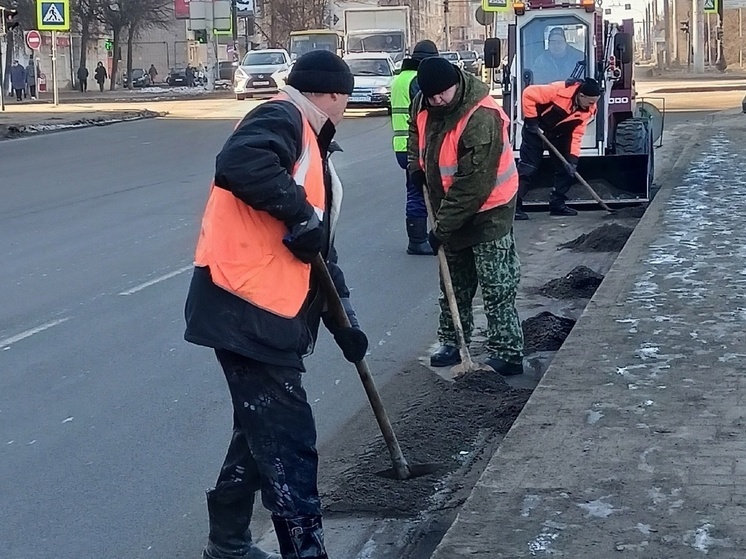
(633, 136)
(240, 97)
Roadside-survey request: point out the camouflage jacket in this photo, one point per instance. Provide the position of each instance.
(459, 224)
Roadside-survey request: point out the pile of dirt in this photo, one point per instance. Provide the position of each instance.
(631, 212)
(440, 423)
(607, 238)
(545, 332)
(580, 283)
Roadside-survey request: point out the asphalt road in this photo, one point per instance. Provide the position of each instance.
(111, 426)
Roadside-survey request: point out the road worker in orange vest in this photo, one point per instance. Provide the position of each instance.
(460, 153)
(272, 209)
(562, 110)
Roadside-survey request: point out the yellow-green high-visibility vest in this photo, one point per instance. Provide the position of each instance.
(400, 102)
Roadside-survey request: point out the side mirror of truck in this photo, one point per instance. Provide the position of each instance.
(492, 56)
(624, 47)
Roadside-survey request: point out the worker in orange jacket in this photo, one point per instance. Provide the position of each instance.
(562, 110)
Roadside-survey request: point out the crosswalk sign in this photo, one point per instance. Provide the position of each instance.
(711, 6)
(496, 5)
(53, 15)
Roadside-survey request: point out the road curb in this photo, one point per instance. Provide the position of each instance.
(15, 131)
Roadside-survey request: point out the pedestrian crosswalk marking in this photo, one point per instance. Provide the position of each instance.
(53, 15)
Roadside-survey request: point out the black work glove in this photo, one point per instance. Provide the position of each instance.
(571, 166)
(305, 239)
(435, 242)
(418, 179)
(351, 339)
(531, 125)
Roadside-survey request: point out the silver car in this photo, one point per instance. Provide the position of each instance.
(261, 72)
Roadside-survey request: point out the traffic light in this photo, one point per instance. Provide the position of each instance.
(684, 26)
(446, 9)
(10, 19)
(200, 36)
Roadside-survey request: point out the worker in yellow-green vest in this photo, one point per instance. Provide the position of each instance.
(403, 90)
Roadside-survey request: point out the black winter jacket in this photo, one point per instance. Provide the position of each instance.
(256, 165)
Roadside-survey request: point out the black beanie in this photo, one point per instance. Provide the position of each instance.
(424, 49)
(590, 87)
(435, 75)
(321, 71)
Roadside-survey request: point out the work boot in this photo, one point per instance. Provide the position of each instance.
(562, 209)
(300, 538)
(505, 368)
(230, 537)
(445, 356)
(417, 233)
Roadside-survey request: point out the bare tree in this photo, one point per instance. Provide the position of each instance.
(87, 16)
(143, 15)
(284, 16)
(114, 17)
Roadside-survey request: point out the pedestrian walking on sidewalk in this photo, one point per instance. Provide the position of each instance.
(562, 110)
(153, 73)
(100, 76)
(403, 90)
(189, 74)
(18, 79)
(460, 151)
(272, 209)
(31, 77)
(83, 79)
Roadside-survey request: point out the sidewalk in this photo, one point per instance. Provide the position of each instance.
(633, 444)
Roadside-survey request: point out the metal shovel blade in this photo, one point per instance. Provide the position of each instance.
(415, 471)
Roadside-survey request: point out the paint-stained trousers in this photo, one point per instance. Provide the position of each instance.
(273, 448)
(493, 266)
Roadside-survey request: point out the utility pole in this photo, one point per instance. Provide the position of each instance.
(2, 64)
(446, 11)
(698, 35)
(234, 30)
(667, 33)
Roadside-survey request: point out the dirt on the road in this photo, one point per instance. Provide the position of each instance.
(439, 423)
(607, 238)
(580, 283)
(545, 332)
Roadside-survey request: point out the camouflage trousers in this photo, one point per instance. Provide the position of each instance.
(273, 448)
(494, 267)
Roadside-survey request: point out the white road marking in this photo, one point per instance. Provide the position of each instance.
(157, 280)
(28, 333)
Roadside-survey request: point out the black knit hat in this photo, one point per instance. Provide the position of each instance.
(321, 71)
(436, 75)
(590, 88)
(424, 49)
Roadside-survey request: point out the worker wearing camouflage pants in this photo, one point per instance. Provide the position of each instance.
(460, 153)
(495, 267)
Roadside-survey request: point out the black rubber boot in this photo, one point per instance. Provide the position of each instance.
(505, 368)
(445, 356)
(417, 233)
(300, 538)
(230, 537)
(520, 215)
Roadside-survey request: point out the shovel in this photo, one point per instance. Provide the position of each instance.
(467, 365)
(400, 468)
(580, 179)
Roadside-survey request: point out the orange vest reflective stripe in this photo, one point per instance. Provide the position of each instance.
(506, 174)
(243, 246)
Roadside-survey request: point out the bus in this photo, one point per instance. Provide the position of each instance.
(302, 42)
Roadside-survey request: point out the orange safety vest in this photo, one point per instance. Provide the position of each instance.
(243, 247)
(506, 174)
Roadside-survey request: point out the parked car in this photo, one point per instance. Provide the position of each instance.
(472, 62)
(177, 77)
(261, 72)
(226, 69)
(374, 73)
(454, 58)
(140, 78)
